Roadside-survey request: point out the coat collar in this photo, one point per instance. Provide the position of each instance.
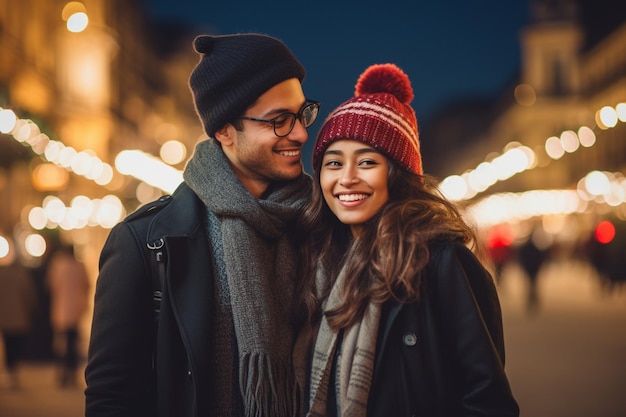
(181, 217)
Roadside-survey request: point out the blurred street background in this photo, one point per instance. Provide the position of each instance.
(521, 107)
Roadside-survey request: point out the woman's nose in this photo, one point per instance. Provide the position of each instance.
(348, 178)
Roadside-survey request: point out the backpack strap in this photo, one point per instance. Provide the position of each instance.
(155, 251)
(157, 264)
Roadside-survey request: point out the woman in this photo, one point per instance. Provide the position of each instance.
(405, 319)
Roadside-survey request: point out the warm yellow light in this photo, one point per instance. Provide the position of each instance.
(586, 136)
(525, 95)
(37, 218)
(513, 207)
(173, 152)
(4, 247)
(110, 211)
(554, 149)
(511, 162)
(146, 193)
(49, 177)
(531, 158)
(476, 181)
(25, 130)
(53, 150)
(608, 116)
(81, 212)
(149, 169)
(7, 120)
(454, 187)
(66, 155)
(487, 173)
(77, 22)
(39, 143)
(82, 207)
(597, 183)
(71, 8)
(621, 112)
(82, 163)
(54, 208)
(105, 176)
(35, 245)
(75, 15)
(569, 141)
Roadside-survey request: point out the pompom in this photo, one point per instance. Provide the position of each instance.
(385, 78)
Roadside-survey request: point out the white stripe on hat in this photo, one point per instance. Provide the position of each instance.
(391, 117)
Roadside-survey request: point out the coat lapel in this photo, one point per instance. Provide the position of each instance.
(385, 329)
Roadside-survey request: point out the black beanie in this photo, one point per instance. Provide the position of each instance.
(234, 71)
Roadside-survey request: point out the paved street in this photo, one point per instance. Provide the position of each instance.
(568, 359)
(38, 395)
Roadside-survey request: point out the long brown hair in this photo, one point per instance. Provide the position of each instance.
(387, 259)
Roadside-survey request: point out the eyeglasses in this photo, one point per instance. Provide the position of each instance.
(283, 123)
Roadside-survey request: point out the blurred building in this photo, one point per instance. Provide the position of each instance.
(552, 145)
(96, 118)
(81, 82)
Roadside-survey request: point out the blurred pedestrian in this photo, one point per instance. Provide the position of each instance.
(606, 251)
(499, 248)
(69, 285)
(531, 258)
(18, 305)
(405, 319)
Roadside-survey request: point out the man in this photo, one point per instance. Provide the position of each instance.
(226, 320)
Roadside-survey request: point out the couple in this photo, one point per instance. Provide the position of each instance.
(350, 295)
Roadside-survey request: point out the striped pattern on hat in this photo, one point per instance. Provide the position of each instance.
(379, 115)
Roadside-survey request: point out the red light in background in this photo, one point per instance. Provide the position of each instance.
(500, 236)
(605, 232)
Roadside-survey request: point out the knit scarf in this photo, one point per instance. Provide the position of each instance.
(260, 266)
(356, 364)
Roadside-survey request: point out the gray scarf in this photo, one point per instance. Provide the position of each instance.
(354, 369)
(260, 265)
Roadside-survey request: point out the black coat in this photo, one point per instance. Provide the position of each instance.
(119, 373)
(443, 356)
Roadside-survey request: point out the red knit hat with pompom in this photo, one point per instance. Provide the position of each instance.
(378, 115)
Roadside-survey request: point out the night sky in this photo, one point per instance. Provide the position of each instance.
(451, 50)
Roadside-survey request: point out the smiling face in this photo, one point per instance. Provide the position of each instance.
(257, 155)
(353, 179)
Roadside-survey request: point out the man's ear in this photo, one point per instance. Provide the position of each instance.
(226, 135)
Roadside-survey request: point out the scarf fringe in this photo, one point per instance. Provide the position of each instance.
(268, 388)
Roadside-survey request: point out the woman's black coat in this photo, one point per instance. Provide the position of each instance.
(443, 356)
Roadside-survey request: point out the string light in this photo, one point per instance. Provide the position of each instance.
(82, 212)
(518, 158)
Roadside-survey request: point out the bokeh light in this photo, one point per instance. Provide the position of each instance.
(35, 245)
(605, 232)
(4, 247)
